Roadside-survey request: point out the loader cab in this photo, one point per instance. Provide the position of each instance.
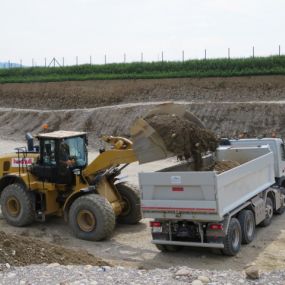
(60, 153)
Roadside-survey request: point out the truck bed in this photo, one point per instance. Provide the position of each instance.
(206, 195)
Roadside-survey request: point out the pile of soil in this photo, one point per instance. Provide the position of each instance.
(183, 138)
(20, 251)
(222, 166)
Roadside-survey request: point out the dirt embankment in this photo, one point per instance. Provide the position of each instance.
(19, 250)
(227, 106)
(92, 94)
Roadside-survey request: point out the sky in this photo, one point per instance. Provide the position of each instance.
(32, 30)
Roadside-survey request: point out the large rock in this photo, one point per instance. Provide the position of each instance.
(252, 272)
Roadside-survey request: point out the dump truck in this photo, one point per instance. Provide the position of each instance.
(216, 210)
(54, 178)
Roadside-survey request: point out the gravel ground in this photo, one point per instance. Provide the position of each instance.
(68, 275)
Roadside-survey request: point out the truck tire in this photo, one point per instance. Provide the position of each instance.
(168, 248)
(269, 213)
(132, 212)
(91, 217)
(232, 241)
(280, 211)
(17, 205)
(247, 224)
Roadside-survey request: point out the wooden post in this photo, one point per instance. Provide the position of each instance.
(183, 56)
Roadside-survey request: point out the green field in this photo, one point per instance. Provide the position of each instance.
(273, 65)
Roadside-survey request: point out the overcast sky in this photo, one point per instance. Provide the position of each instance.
(56, 28)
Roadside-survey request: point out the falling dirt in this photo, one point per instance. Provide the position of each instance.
(183, 138)
(20, 251)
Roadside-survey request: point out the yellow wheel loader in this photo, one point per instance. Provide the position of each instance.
(54, 178)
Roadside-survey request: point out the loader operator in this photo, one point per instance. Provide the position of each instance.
(65, 164)
(64, 156)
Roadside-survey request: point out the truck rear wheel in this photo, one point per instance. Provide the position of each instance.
(268, 213)
(168, 248)
(17, 205)
(232, 241)
(247, 223)
(91, 217)
(132, 206)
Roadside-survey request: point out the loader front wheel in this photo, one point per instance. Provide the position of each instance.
(132, 206)
(17, 205)
(91, 217)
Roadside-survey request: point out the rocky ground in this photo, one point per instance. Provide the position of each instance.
(93, 275)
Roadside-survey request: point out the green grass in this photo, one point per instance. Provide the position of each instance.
(273, 65)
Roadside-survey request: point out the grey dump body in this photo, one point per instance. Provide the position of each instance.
(206, 197)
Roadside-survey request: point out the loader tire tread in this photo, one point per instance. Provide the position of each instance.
(26, 213)
(103, 213)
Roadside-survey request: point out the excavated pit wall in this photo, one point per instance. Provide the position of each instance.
(225, 119)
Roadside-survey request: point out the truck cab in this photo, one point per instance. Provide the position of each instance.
(277, 147)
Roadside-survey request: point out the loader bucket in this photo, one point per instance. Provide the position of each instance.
(148, 145)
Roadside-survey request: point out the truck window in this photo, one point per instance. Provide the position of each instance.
(282, 151)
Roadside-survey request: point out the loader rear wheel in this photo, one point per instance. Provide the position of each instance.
(91, 217)
(17, 205)
(232, 241)
(132, 206)
(268, 213)
(247, 223)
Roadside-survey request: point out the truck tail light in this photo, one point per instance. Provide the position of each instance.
(155, 224)
(216, 227)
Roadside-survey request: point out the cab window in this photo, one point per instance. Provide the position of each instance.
(282, 151)
(49, 152)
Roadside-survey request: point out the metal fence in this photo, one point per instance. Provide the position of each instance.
(60, 62)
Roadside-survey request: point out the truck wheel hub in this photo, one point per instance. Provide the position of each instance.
(86, 220)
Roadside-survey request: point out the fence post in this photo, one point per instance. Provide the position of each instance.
(141, 56)
(205, 54)
(183, 56)
(45, 62)
(76, 60)
(105, 58)
(90, 59)
(279, 50)
(124, 58)
(253, 51)
(162, 56)
(229, 53)
(63, 61)
(21, 65)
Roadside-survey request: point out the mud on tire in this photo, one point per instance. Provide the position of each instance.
(17, 205)
(91, 217)
(132, 212)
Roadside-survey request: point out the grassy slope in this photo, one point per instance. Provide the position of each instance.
(273, 65)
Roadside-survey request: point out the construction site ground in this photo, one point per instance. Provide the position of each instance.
(228, 106)
(131, 245)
